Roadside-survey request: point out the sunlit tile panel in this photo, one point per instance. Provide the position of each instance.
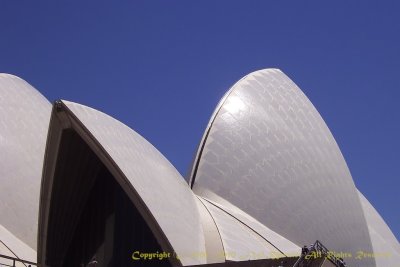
(268, 151)
(24, 120)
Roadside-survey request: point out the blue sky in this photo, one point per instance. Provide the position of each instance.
(162, 66)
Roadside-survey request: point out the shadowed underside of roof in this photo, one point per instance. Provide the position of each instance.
(150, 181)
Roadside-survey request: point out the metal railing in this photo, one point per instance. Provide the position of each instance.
(13, 261)
(337, 261)
(317, 251)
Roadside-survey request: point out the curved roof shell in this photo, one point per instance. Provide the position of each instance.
(148, 178)
(12, 246)
(267, 151)
(24, 120)
(268, 174)
(244, 238)
(386, 248)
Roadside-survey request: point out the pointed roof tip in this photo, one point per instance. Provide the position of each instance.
(270, 69)
(273, 69)
(265, 70)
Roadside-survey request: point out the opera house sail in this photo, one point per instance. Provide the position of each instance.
(267, 180)
(24, 120)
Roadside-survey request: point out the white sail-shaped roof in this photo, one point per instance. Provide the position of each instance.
(268, 175)
(267, 151)
(146, 176)
(24, 120)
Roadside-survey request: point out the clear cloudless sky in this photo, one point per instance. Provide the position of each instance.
(161, 67)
